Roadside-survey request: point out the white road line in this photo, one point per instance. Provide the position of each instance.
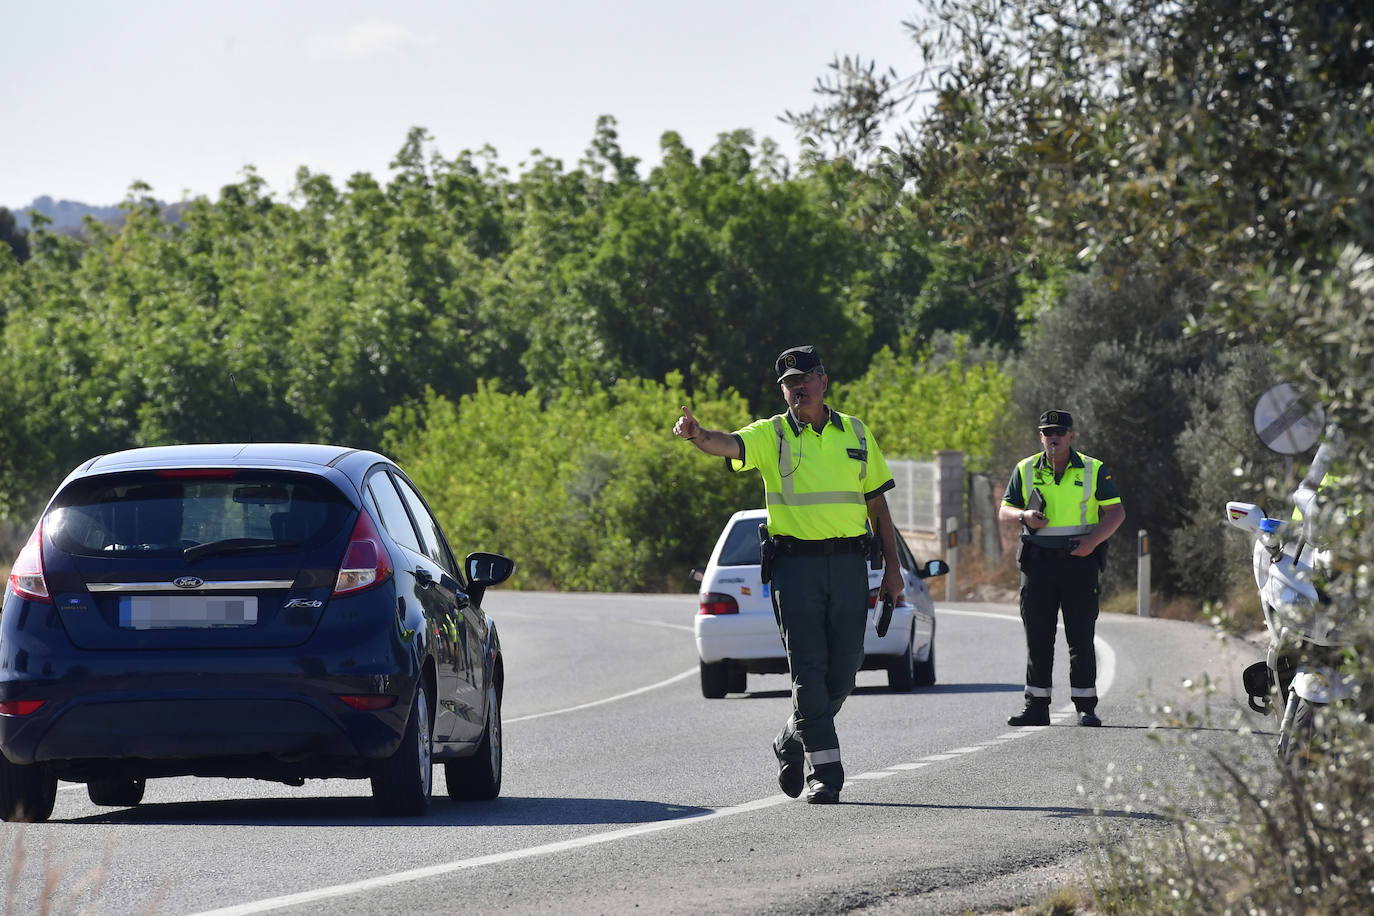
(431, 871)
(666, 626)
(1106, 672)
(620, 696)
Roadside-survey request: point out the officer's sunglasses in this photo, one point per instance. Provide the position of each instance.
(793, 381)
(1054, 431)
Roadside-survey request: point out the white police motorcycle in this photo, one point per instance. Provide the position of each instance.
(1302, 665)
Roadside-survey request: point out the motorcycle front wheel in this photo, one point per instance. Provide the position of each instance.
(1299, 729)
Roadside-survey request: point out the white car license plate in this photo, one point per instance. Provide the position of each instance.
(162, 612)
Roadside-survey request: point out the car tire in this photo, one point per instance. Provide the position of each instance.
(739, 678)
(925, 670)
(115, 791)
(27, 791)
(715, 680)
(402, 783)
(478, 778)
(901, 674)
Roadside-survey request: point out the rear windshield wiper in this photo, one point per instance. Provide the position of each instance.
(234, 545)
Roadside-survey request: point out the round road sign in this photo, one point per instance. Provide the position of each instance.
(1286, 421)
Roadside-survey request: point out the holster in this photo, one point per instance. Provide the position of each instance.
(767, 550)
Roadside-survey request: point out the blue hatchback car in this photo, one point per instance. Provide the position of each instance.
(275, 611)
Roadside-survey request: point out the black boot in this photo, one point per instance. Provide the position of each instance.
(1037, 712)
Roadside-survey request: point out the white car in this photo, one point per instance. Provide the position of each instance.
(737, 634)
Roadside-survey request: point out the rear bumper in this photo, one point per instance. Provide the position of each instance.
(185, 727)
(186, 709)
(744, 637)
(747, 635)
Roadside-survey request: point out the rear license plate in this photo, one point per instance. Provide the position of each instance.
(164, 612)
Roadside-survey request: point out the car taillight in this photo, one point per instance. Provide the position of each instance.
(872, 598)
(19, 707)
(716, 603)
(366, 562)
(26, 576)
(366, 702)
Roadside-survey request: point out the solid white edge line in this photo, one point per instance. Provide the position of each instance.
(430, 871)
(340, 890)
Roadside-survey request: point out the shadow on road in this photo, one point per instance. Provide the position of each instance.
(358, 811)
(865, 689)
(1048, 810)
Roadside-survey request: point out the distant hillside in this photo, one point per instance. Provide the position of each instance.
(65, 213)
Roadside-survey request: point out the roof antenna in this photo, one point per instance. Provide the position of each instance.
(238, 399)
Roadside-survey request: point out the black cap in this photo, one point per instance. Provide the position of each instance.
(798, 361)
(1056, 418)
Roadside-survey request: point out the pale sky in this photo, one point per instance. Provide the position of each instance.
(182, 94)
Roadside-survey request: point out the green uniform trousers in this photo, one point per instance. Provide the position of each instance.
(822, 609)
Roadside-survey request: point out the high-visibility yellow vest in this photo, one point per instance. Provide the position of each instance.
(1071, 503)
(816, 484)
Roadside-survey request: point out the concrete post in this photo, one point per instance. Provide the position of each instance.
(952, 558)
(1142, 568)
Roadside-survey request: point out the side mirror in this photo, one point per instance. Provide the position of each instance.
(486, 569)
(1245, 516)
(696, 575)
(933, 568)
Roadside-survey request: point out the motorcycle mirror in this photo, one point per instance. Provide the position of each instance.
(1286, 421)
(1245, 516)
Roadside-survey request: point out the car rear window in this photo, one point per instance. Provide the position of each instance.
(147, 514)
(742, 544)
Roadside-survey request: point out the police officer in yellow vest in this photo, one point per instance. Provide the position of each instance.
(824, 479)
(1068, 505)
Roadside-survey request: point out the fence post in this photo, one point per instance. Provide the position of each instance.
(952, 558)
(1142, 567)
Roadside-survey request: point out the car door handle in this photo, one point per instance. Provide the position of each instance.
(423, 578)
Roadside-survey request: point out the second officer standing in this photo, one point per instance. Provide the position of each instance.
(824, 480)
(1068, 506)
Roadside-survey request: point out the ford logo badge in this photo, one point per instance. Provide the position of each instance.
(188, 582)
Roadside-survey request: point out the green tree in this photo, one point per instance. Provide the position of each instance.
(704, 267)
(16, 239)
(576, 490)
(954, 400)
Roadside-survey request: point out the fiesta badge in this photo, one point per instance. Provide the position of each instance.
(188, 582)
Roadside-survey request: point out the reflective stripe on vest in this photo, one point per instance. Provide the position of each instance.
(790, 497)
(1085, 525)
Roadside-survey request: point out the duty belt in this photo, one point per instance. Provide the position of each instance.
(790, 546)
(1053, 553)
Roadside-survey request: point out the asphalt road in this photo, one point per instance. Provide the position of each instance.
(625, 790)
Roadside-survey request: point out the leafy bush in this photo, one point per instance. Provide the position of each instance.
(954, 401)
(589, 492)
(1249, 834)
